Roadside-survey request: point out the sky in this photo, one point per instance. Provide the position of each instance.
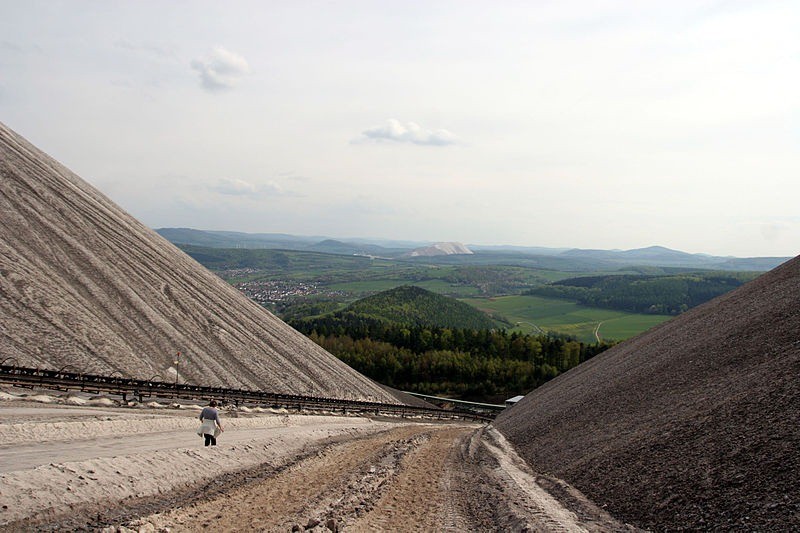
(588, 124)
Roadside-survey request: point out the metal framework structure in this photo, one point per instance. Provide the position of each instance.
(139, 389)
(486, 408)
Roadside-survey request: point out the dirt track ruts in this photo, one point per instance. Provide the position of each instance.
(271, 473)
(411, 478)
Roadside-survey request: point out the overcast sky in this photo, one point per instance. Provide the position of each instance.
(570, 124)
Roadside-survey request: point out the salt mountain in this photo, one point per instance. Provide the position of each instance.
(694, 425)
(86, 287)
(439, 248)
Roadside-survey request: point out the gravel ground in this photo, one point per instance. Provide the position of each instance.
(694, 425)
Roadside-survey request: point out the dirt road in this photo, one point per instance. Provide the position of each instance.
(597, 331)
(410, 478)
(136, 470)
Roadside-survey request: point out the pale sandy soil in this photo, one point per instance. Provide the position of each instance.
(84, 467)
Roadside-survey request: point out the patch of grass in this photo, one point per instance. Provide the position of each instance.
(630, 326)
(565, 317)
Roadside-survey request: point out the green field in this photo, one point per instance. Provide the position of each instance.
(565, 317)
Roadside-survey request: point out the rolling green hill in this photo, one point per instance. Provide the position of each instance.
(672, 294)
(415, 306)
(353, 277)
(586, 305)
(281, 264)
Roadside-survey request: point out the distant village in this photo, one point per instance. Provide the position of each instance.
(265, 292)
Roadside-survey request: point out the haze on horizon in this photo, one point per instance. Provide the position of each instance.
(611, 124)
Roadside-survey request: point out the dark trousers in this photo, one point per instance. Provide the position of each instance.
(210, 439)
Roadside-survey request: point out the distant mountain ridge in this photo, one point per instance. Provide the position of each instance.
(539, 257)
(650, 252)
(281, 241)
(662, 256)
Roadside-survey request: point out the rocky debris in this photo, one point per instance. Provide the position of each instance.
(692, 425)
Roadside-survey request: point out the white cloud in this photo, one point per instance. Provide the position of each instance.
(777, 231)
(410, 132)
(222, 70)
(234, 187)
(239, 187)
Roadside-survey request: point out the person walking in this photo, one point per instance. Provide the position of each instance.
(210, 425)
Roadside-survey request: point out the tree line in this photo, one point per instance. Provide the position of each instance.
(663, 295)
(478, 365)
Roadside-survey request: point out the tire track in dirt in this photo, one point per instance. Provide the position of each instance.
(528, 501)
(412, 478)
(415, 500)
(335, 483)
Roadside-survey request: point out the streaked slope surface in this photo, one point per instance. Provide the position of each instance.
(692, 425)
(85, 285)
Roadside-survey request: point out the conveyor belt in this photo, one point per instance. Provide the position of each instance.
(140, 389)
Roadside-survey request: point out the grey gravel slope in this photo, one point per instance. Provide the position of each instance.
(84, 284)
(694, 425)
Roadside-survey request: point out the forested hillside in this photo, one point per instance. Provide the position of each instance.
(415, 306)
(481, 365)
(672, 294)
